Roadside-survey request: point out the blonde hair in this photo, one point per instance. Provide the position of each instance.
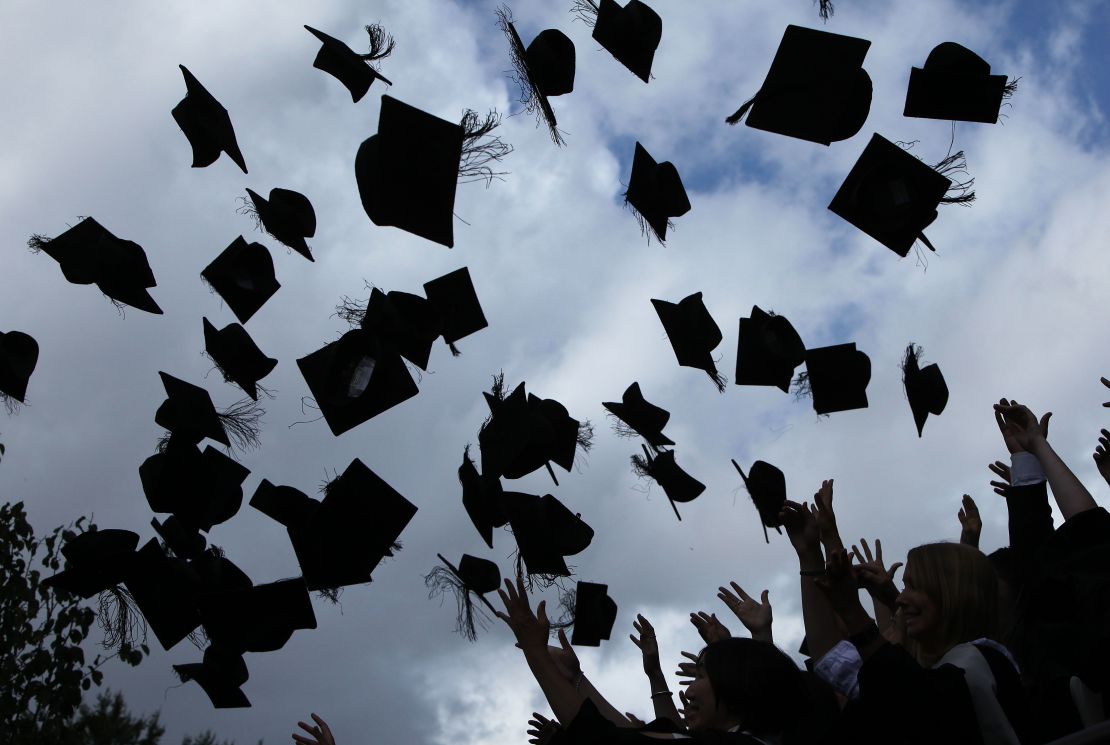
(962, 582)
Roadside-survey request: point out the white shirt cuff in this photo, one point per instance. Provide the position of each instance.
(1025, 469)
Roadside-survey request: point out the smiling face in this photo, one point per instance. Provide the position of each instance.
(921, 613)
(702, 709)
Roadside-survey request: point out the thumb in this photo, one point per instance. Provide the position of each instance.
(1044, 423)
(541, 611)
(763, 597)
(894, 569)
(564, 642)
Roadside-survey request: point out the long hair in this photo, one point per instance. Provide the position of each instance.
(758, 683)
(962, 582)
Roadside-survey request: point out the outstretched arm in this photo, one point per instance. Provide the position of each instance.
(756, 617)
(662, 699)
(821, 623)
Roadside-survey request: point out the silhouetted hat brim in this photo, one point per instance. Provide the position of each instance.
(288, 216)
(243, 275)
(19, 354)
(631, 34)
(206, 125)
(655, 191)
(768, 351)
(678, 485)
(341, 62)
(691, 330)
(955, 84)
(927, 393)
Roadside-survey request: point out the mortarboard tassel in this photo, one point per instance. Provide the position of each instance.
(243, 423)
(381, 44)
(960, 192)
(586, 11)
(737, 115)
(1010, 88)
(530, 97)
(481, 148)
(826, 9)
(120, 619)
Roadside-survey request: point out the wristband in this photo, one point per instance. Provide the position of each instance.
(661, 693)
(812, 572)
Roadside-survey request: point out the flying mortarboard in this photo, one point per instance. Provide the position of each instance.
(206, 124)
(243, 275)
(892, 196)
(188, 412)
(201, 489)
(693, 334)
(19, 353)
(631, 34)
(482, 499)
(164, 588)
(353, 70)
(89, 254)
(594, 614)
(287, 216)
(238, 357)
(655, 193)
(956, 84)
(221, 675)
(183, 541)
(768, 350)
(545, 68)
(678, 485)
(766, 485)
(408, 171)
(410, 322)
(925, 387)
(837, 377)
(455, 299)
(546, 532)
(95, 561)
(472, 575)
(816, 89)
(259, 618)
(643, 418)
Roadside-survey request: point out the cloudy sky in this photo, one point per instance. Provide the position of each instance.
(1013, 304)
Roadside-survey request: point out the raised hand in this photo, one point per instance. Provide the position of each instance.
(756, 617)
(647, 644)
(542, 729)
(1002, 471)
(872, 575)
(1102, 452)
(321, 734)
(801, 527)
(1106, 383)
(687, 671)
(566, 661)
(710, 629)
(1020, 428)
(839, 584)
(531, 629)
(971, 525)
(826, 518)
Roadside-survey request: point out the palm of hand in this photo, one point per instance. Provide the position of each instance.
(755, 617)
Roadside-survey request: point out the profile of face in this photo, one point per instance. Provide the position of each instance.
(921, 614)
(702, 710)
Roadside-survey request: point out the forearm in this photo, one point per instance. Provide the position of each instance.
(822, 630)
(562, 696)
(587, 690)
(1071, 496)
(831, 540)
(883, 617)
(662, 700)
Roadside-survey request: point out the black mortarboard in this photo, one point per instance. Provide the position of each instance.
(837, 377)
(594, 614)
(19, 353)
(546, 532)
(631, 34)
(95, 561)
(221, 675)
(206, 125)
(243, 275)
(768, 350)
(956, 83)
(482, 499)
(164, 588)
(188, 412)
(219, 573)
(186, 542)
(643, 418)
(925, 387)
(259, 618)
(678, 485)
(766, 485)
(472, 575)
(410, 323)
(356, 378)
(408, 171)
(891, 195)
(238, 357)
(693, 334)
(655, 193)
(545, 68)
(816, 89)
(456, 301)
(287, 216)
(349, 67)
(89, 254)
(201, 488)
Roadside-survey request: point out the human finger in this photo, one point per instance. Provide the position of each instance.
(645, 624)
(636, 642)
(856, 553)
(740, 591)
(304, 740)
(726, 595)
(310, 729)
(541, 612)
(893, 570)
(879, 550)
(866, 550)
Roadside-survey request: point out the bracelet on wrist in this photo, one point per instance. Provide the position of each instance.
(661, 693)
(812, 572)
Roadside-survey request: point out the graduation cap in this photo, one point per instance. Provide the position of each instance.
(89, 254)
(186, 542)
(957, 84)
(925, 387)
(594, 614)
(631, 34)
(766, 485)
(837, 378)
(678, 485)
(243, 275)
(201, 489)
(892, 196)
(355, 378)
(546, 532)
(164, 588)
(95, 561)
(353, 70)
(639, 416)
(19, 353)
(456, 302)
(238, 357)
(409, 322)
(545, 68)
(816, 89)
(206, 125)
(259, 618)
(188, 412)
(693, 334)
(408, 171)
(287, 216)
(768, 350)
(472, 575)
(482, 499)
(221, 675)
(655, 193)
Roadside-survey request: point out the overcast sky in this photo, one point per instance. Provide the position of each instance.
(1012, 304)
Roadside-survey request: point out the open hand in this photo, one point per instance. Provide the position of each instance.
(1002, 471)
(710, 629)
(825, 517)
(801, 527)
(971, 525)
(531, 629)
(1102, 453)
(872, 575)
(647, 644)
(687, 670)
(839, 584)
(1020, 428)
(542, 729)
(321, 734)
(756, 617)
